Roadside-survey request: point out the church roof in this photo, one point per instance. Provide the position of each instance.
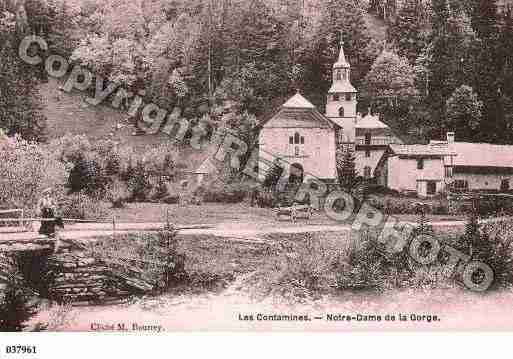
(298, 101)
(370, 122)
(298, 112)
(342, 87)
(298, 118)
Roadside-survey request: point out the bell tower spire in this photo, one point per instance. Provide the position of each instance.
(341, 101)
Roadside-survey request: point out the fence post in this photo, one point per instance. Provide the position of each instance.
(113, 227)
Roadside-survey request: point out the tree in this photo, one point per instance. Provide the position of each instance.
(391, 78)
(15, 299)
(485, 22)
(451, 58)
(346, 168)
(408, 31)
(464, 111)
(390, 88)
(20, 107)
(273, 175)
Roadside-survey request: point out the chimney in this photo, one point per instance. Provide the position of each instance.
(450, 137)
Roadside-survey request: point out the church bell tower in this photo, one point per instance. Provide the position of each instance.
(341, 101)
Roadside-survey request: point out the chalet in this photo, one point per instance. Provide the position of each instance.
(480, 166)
(422, 169)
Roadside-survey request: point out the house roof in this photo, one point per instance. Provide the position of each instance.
(482, 155)
(370, 122)
(421, 150)
(207, 167)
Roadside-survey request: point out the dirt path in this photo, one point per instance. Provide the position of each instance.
(228, 229)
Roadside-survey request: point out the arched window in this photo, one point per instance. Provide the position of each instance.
(296, 138)
(338, 75)
(341, 112)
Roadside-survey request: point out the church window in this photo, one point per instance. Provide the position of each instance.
(344, 75)
(420, 164)
(296, 138)
(367, 172)
(348, 97)
(291, 140)
(341, 112)
(302, 140)
(338, 75)
(296, 151)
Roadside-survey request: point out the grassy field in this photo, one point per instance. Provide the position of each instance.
(220, 212)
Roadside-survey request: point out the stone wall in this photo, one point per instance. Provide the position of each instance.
(72, 272)
(74, 275)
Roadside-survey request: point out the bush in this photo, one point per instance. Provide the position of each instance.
(117, 194)
(266, 199)
(225, 193)
(87, 175)
(161, 191)
(402, 205)
(16, 306)
(300, 270)
(93, 166)
(81, 206)
(26, 169)
(152, 258)
(491, 244)
(139, 184)
(70, 148)
(364, 267)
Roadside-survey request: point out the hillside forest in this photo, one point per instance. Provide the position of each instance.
(426, 66)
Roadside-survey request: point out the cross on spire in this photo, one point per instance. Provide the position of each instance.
(341, 62)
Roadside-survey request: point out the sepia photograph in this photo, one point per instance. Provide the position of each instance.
(247, 166)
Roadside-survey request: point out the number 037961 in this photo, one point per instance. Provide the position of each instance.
(20, 349)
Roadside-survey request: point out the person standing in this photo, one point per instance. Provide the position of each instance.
(46, 208)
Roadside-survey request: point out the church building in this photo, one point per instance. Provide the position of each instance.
(304, 141)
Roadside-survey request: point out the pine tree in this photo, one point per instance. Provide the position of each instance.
(464, 111)
(408, 30)
(450, 62)
(273, 175)
(423, 224)
(485, 19)
(346, 168)
(485, 22)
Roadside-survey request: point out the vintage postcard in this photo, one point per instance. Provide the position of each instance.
(255, 165)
